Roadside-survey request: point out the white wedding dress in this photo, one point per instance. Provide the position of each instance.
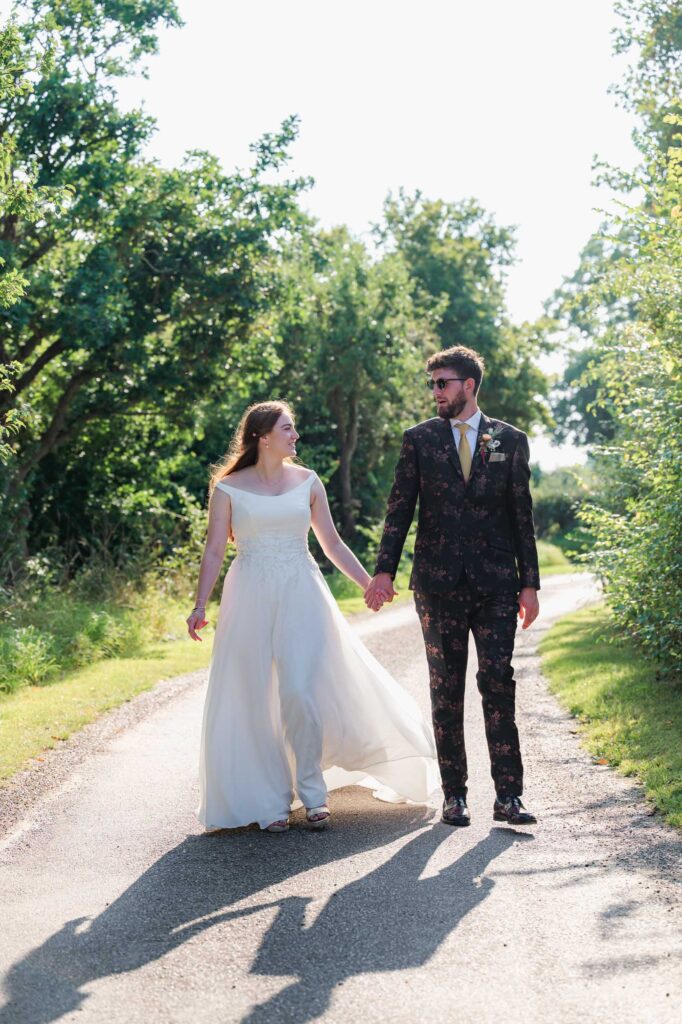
(296, 704)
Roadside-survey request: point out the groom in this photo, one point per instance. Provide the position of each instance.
(475, 567)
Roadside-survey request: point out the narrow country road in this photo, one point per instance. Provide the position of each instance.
(114, 908)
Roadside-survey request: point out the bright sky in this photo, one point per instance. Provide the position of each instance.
(505, 102)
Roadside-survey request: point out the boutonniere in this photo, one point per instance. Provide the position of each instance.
(488, 443)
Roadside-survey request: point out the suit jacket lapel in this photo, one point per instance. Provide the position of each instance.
(445, 428)
(484, 427)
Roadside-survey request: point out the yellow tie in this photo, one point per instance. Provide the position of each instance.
(464, 449)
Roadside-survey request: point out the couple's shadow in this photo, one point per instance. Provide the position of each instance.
(389, 919)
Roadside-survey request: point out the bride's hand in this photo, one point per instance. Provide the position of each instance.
(196, 620)
(376, 599)
(379, 590)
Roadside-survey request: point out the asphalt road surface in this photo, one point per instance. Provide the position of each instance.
(115, 908)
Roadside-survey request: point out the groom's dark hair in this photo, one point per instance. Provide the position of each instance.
(464, 361)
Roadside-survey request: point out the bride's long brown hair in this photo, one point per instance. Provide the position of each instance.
(259, 419)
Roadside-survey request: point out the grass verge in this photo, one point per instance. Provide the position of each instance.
(37, 718)
(553, 561)
(628, 718)
(349, 597)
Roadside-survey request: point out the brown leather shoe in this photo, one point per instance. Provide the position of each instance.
(455, 811)
(511, 809)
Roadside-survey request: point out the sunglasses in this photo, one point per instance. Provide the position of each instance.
(442, 382)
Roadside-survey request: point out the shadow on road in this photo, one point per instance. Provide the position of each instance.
(387, 920)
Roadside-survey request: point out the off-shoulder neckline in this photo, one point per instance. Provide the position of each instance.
(255, 494)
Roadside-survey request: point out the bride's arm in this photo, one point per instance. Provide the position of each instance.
(219, 524)
(338, 553)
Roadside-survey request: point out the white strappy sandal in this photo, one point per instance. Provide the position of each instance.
(317, 817)
(281, 825)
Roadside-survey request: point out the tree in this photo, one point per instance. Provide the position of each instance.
(352, 354)
(19, 196)
(144, 312)
(651, 85)
(457, 254)
(145, 284)
(636, 516)
(557, 497)
(590, 309)
(581, 414)
(578, 416)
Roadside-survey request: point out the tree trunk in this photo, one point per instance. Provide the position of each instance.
(55, 434)
(348, 438)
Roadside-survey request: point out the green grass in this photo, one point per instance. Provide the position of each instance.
(628, 718)
(559, 570)
(67, 656)
(37, 718)
(350, 598)
(54, 630)
(552, 559)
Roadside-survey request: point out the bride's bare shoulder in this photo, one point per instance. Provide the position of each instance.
(241, 476)
(300, 473)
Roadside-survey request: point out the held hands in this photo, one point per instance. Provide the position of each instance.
(379, 590)
(529, 606)
(196, 620)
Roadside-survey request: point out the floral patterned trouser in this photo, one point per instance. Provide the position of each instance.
(446, 620)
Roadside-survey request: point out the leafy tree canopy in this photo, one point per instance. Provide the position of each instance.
(458, 256)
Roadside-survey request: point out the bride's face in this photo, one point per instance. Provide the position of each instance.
(283, 437)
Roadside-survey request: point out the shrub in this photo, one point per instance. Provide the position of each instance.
(50, 624)
(549, 555)
(26, 658)
(557, 497)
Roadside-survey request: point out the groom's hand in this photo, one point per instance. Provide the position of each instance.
(379, 590)
(529, 606)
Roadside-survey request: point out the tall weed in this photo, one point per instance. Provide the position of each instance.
(50, 624)
(26, 657)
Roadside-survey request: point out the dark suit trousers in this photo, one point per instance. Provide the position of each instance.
(446, 620)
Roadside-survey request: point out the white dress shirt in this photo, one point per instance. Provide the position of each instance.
(472, 432)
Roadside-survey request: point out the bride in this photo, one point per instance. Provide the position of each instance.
(296, 705)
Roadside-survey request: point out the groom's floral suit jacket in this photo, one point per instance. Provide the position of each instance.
(484, 526)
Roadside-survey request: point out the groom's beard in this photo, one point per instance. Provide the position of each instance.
(451, 410)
